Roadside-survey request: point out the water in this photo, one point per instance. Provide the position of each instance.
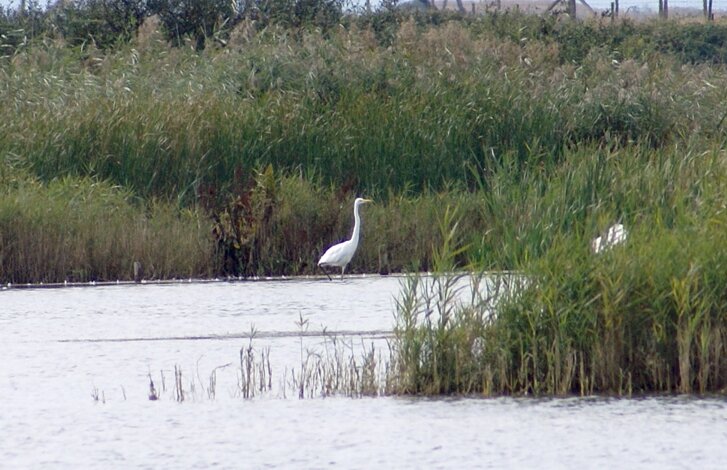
(63, 347)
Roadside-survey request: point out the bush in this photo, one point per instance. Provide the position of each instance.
(104, 23)
(199, 20)
(693, 43)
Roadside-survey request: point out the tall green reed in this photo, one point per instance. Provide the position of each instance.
(80, 230)
(644, 316)
(417, 115)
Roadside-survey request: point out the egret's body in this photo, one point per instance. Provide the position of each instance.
(340, 255)
(615, 234)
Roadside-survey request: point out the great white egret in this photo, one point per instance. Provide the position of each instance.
(340, 255)
(614, 235)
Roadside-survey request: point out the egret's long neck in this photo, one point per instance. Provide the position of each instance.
(356, 224)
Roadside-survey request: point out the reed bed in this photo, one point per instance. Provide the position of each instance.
(247, 156)
(78, 229)
(645, 316)
(417, 114)
(502, 142)
(627, 322)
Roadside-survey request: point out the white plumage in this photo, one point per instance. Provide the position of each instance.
(614, 235)
(340, 255)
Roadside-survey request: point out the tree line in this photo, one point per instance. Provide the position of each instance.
(109, 22)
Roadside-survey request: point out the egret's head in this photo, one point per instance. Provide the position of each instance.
(360, 200)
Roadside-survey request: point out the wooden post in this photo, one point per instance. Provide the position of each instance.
(138, 272)
(383, 260)
(572, 8)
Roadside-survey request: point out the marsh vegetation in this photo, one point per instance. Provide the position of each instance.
(496, 142)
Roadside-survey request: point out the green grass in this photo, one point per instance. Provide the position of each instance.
(417, 115)
(646, 316)
(80, 229)
(487, 144)
(249, 156)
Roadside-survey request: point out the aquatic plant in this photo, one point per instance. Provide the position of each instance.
(79, 229)
(255, 374)
(644, 316)
(301, 100)
(241, 167)
(337, 368)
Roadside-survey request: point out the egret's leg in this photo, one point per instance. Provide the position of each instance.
(325, 272)
(343, 269)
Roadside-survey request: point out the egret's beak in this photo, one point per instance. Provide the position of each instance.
(368, 200)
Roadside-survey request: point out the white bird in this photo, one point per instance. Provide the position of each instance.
(614, 235)
(340, 255)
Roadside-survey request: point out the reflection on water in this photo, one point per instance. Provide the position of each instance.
(61, 346)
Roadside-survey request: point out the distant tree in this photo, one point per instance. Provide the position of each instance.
(199, 19)
(104, 22)
(293, 13)
(19, 26)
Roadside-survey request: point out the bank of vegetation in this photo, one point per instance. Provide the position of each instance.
(234, 146)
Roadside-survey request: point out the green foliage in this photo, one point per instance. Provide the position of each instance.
(492, 117)
(17, 29)
(693, 43)
(643, 316)
(198, 19)
(104, 23)
(281, 224)
(108, 23)
(436, 343)
(420, 114)
(112, 22)
(323, 14)
(81, 230)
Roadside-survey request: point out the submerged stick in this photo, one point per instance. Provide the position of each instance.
(138, 272)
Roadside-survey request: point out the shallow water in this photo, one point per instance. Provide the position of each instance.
(63, 347)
